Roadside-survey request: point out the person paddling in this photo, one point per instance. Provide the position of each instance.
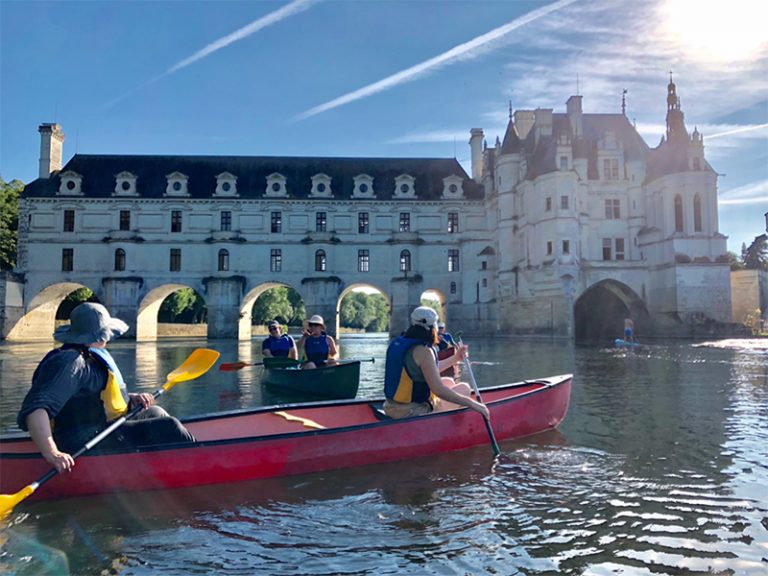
(78, 388)
(629, 330)
(277, 344)
(318, 348)
(412, 382)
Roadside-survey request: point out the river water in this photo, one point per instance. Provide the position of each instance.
(660, 467)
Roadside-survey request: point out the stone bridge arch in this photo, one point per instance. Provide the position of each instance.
(246, 306)
(349, 288)
(149, 307)
(39, 319)
(599, 312)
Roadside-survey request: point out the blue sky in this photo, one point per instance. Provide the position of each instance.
(380, 78)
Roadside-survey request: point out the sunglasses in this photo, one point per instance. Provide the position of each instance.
(273, 329)
(311, 325)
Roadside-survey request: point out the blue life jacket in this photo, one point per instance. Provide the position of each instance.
(280, 347)
(316, 348)
(402, 384)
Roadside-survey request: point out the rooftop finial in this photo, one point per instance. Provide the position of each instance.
(510, 110)
(624, 102)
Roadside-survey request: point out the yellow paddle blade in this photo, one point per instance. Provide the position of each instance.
(9, 501)
(198, 363)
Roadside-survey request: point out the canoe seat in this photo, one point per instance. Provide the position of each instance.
(378, 411)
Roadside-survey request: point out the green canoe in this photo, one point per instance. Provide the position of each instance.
(336, 382)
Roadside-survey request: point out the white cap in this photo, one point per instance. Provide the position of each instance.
(424, 316)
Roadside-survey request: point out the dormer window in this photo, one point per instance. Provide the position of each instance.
(125, 184)
(363, 186)
(453, 187)
(71, 184)
(276, 186)
(404, 186)
(321, 186)
(226, 185)
(176, 184)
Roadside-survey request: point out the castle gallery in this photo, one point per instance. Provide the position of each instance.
(566, 226)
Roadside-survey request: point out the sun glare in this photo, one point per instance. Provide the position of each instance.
(717, 30)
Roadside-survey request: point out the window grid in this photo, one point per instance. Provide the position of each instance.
(320, 261)
(363, 260)
(564, 202)
(223, 264)
(275, 260)
(405, 222)
(321, 222)
(362, 223)
(612, 209)
(453, 260)
(176, 221)
(67, 259)
(548, 204)
(69, 221)
(226, 220)
(125, 219)
(175, 265)
(119, 260)
(276, 222)
(453, 222)
(405, 261)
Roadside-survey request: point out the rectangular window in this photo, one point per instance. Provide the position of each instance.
(69, 220)
(619, 248)
(362, 223)
(548, 204)
(125, 219)
(405, 261)
(564, 202)
(610, 169)
(275, 260)
(176, 221)
(612, 209)
(226, 220)
(549, 247)
(363, 261)
(67, 259)
(697, 163)
(563, 162)
(484, 265)
(453, 260)
(175, 260)
(453, 222)
(321, 222)
(566, 247)
(276, 222)
(607, 248)
(405, 222)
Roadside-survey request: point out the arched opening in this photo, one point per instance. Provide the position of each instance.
(47, 308)
(172, 310)
(363, 308)
(678, 213)
(697, 225)
(599, 313)
(271, 301)
(437, 300)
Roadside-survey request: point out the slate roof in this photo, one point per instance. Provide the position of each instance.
(98, 172)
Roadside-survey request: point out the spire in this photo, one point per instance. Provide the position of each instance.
(510, 110)
(624, 102)
(675, 117)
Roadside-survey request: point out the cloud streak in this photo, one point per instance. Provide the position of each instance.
(291, 9)
(752, 193)
(466, 51)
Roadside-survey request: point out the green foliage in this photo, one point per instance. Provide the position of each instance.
(274, 304)
(735, 262)
(72, 300)
(756, 256)
(184, 306)
(434, 304)
(369, 312)
(753, 321)
(9, 222)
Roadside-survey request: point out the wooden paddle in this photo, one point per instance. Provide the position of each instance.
(198, 363)
(468, 368)
(232, 366)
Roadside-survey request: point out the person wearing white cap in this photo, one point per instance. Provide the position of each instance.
(412, 381)
(319, 349)
(79, 389)
(277, 344)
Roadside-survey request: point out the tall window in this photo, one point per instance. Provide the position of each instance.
(363, 261)
(453, 288)
(223, 260)
(453, 222)
(69, 220)
(697, 227)
(607, 246)
(548, 203)
(611, 168)
(613, 249)
(563, 162)
(175, 260)
(321, 222)
(276, 222)
(362, 223)
(564, 202)
(549, 247)
(176, 221)
(320, 262)
(619, 245)
(453, 260)
(566, 246)
(275, 260)
(67, 259)
(226, 220)
(612, 209)
(119, 260)
(125, 219)
(405, 261)
(405, 222)
(678, 214)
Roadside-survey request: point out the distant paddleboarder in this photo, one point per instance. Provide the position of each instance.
(629, 330)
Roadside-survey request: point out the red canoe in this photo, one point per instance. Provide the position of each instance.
(291, 439)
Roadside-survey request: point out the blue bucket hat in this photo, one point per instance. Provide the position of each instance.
(89, 323)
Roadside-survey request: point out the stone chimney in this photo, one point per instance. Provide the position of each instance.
(476, 147)
(524, 122)
(51, 149)
(573, 108)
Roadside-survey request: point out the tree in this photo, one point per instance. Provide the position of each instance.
(273, 304)
(184, 305)
(9, 222)
(756, 256)
(73, 299)
(735, 261)
(369, 312)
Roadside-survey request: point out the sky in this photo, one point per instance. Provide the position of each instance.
(381, 78)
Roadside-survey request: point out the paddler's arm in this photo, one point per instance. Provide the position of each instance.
(39, 426)
(333, 352)
(458, 356)
(425, 358)
(293, 353)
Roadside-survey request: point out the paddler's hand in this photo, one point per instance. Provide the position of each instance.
(462, 351)
(143, 399)
(482, 408)
(62, 461)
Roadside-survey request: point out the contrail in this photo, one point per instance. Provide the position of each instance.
(738, 131)
(471, 49)
(286, 11)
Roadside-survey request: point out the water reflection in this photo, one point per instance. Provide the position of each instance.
(660, 467)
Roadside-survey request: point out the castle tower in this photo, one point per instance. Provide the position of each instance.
(51, 149)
